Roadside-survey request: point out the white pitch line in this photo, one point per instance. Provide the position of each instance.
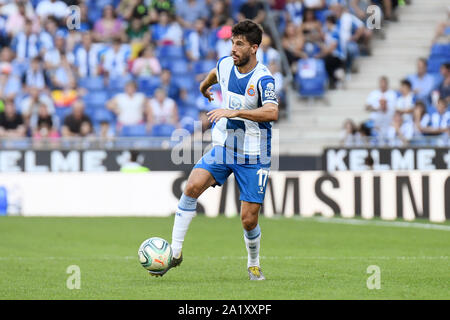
(401, 224)
(242, 258)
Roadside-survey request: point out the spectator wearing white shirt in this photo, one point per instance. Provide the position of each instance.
(400, 132)
(383, 92)
(422, 82)
(405, 102)
(382, 119)
(266, 54)
(162, 110)
(30, 104)
(128, 106)
(438, 122)
(35, 75)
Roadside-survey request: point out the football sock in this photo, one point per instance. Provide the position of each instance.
(183, 217)
(252, 240)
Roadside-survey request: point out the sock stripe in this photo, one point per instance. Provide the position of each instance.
(253, 237)
(182, 209)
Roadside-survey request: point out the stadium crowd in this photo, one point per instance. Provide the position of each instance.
(130, 68)
(418, 112)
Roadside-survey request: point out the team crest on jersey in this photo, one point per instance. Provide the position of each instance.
(251, 90)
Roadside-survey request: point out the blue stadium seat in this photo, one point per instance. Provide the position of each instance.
(117, 85)
(148, 85)
(162, 130)
(3, 201)
(440, 49)
(179, 67)
(435, 62)
(312, 86)
(185, 81)
(62, 113)
(204, 66)
(171, 51)
(96, 99)
(138, 130)
(92, 83)
(100, 115)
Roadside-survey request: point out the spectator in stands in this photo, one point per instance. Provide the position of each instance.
(77, 123)
(63, 78)
(10, 85)
(137, 32)
(405, 102)
(294, 11)
(115, 61)
(146, 64)
(223, 44)
(311, 28)
(351, 32)
(167, 31)
(16, 21)
(25, 43)
(168, 85)
(35, 75)
(43, 124)
(11, 122)
(159, 6)
(189, 11)
(52, 57)
(331, 53)
(48, 34)
(54, 8)
(129, 106)
(220, 14)
(373, 100)
(400, 132)
(350, 135)
(161, 110)
(86, 58)
(106, 132)
(382, 119)
(422, 82)
(134, 10)
(266, 54)
(417, 116)
(438, 122)
(293, 43)
(198, 43)
(253, 10)
(444, 86)
(30, 104)
(108, 27)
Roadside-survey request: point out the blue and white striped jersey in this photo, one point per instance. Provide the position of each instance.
(244, 92)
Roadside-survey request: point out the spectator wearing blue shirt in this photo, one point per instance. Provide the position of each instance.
(438, 122)
(189, 11)
(422, 83)
(198, 42)
(26, 43)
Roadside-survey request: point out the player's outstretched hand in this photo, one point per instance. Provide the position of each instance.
(216, 114)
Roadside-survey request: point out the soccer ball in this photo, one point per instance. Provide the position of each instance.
(155, 254)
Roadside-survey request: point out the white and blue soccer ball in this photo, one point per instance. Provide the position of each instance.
(155, 254)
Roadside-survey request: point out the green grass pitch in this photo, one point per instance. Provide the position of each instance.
(301, 258)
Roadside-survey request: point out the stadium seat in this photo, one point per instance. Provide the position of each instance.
(148, 85)
(117, 85)
(185, 81)
(179, 67)
(311, 77)
(138, 130)
(162, 130)
(440, 49)
(171, 51)
(3, 201)
(96, 99)
(62, 113)
(92, 83)
(435, 62)
(204, 66)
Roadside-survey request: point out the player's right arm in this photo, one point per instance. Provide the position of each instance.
(205, 85)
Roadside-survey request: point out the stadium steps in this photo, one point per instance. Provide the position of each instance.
(314, 125)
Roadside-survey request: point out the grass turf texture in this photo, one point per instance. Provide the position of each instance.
(301, 258)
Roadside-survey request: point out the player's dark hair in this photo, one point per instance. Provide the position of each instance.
(250, 30)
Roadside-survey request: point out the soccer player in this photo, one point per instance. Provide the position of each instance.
(241, 137)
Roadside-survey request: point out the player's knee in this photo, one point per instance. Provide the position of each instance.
(249, 222)
(192, 189)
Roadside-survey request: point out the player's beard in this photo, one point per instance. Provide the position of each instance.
(242, 61)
